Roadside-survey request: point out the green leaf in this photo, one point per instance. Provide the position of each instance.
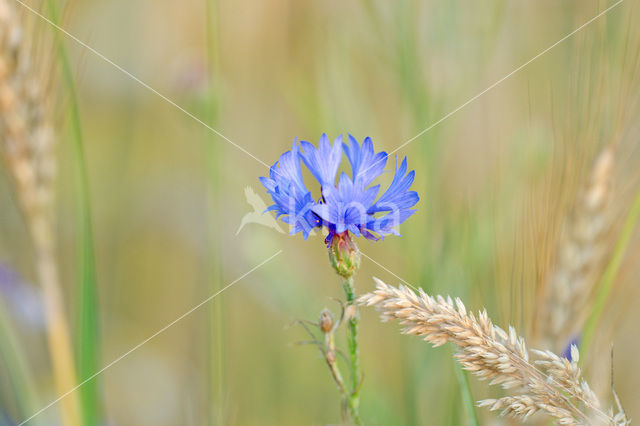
(88, 336)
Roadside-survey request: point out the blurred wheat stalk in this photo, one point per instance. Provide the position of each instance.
(590, 247)
(550, 384)
(28, 143)
(582, 252)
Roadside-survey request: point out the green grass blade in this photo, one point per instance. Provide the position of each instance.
(87, 339)
(215, 358)
(465, 394)
(610, 273)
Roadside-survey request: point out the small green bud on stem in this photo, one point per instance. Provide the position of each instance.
(344, 255)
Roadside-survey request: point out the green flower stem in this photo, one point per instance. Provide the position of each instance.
(352, 340)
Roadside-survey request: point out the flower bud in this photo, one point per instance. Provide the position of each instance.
(326, 321)
(344, 255)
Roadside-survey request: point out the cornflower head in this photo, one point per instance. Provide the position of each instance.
(348, 205)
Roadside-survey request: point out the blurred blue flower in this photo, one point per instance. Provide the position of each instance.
(348, 206)
(22, 299)
(566, 353)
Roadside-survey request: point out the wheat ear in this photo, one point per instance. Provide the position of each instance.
(548, 384)
(581, 253)
(27, 141)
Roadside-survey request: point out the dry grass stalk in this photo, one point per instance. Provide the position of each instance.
(330, 352)
(548, 384)
(27, 142)
(582, 250)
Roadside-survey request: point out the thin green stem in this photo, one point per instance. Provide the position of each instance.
(352, 342)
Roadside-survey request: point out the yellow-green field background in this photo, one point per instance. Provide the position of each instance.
(167, 195)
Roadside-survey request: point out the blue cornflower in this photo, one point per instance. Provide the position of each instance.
(568, 350)
(349, 205)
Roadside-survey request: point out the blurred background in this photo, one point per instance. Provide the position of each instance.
(167, 196)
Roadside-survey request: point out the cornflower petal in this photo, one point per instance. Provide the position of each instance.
(397, 196)
(322, 162)
(291, 197)
(365, 164)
